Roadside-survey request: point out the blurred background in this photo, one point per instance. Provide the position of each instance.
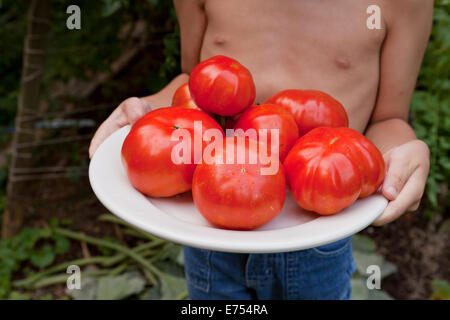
(57, 85)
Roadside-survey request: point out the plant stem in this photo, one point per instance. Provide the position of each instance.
(137, 234)
(182, 295)
(114, 219)
(117, 270)
(61, 278)
(60, 267)
(138, 249)
(99, 242)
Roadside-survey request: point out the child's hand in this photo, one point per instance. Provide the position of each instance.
(127, 112)
(407, 169)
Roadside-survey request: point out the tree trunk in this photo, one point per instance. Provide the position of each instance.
(35, 49)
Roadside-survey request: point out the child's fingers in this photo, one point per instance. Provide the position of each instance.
(134, 108)
(406, 200)
(109, 126)
(398, 172)
(126, 113)
(414, 206)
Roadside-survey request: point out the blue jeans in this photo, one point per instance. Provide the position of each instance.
(319, 273)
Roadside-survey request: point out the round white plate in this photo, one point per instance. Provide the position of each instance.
(176, 218)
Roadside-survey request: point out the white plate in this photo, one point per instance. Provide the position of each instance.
(178, 220)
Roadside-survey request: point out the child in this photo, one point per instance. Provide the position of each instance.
(325, 45)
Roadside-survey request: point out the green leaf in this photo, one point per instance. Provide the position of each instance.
(54, 223)
(62, 244)
(441, 290)
(171, 252)
(110, 7)
(171, 268)
(120, 287)
(108, 251)
(363, 260)
(387, 268)
(44, 257)
(363, 243)
(361, 292)
(45, 233)
(359, 289)
(180, 258)
(16, 295)
(376, 294)
(152, 293)
(172, 287)
(88, 290)
(47, 296)
(66, 222)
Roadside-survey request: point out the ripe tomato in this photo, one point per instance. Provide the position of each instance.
(329, 168)
(231, 120)
(222, 85)
(147, 150)
(311, 109)
(270, 116)
(237, 196)
(182, 98)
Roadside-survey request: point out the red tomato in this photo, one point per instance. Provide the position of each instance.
(231, 121)
(270, 116)
(182, 98)
(147, 150)
(311, 109)
(222, 85)
(238, 196)
(367, 157)
(329, 168)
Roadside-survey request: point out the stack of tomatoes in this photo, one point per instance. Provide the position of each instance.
(298, 138)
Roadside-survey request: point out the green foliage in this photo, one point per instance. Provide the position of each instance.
(110, 287)
(42, 257)
(151, 269)
(80, 53)
(430, 108)
(12, 30)
(39, 247)
(16, 295)
(364, 254)
(71, 54)
(441, 290)
(108, 251)
(171, 65)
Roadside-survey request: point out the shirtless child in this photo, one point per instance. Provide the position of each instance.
(307, 44)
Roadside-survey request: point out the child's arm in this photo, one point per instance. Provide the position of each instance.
(192, 21)
(407, 159)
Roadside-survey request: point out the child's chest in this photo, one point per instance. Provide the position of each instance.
(345, 29)
(321, 44)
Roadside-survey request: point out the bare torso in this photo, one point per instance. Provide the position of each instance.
(307, 44)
